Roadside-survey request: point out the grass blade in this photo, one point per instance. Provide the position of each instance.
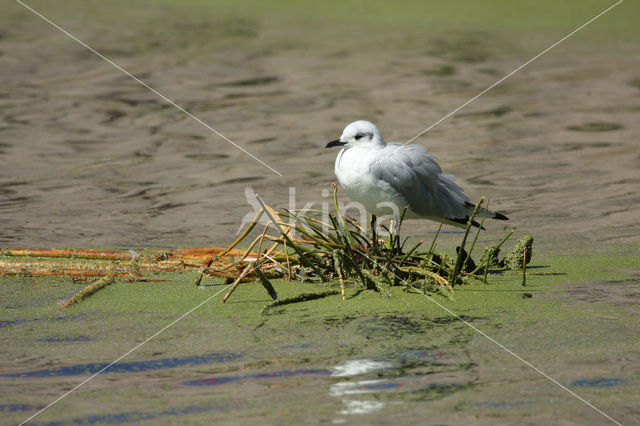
(461, 253)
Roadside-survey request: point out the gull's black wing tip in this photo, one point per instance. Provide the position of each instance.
(496, 215)
(465, 221)
(500, 216)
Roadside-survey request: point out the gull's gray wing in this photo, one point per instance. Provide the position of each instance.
(412, 172)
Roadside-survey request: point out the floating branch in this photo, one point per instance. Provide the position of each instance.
(89, 290)
(72, 254)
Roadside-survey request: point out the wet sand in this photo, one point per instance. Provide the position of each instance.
(90, 158)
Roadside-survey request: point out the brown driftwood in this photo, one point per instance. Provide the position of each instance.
(97, 263)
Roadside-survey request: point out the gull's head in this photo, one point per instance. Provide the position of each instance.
(358, 133)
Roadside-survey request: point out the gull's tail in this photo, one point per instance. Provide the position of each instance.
(455, 205)
(481, 211)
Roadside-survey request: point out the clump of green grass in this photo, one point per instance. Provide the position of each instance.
(315, 246)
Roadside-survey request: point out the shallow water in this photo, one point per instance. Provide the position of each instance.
(90, 158)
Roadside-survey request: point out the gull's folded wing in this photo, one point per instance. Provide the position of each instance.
(412, 172)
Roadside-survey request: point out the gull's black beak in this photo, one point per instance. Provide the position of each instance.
(335, 143)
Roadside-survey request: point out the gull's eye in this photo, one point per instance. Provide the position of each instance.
(359, 136)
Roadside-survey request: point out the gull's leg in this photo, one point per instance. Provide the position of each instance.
(373, 230)
(396, 235)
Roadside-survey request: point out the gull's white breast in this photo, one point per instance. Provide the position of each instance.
(353, 171)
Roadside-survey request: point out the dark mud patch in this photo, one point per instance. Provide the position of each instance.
(83, 145)
(490, 71)
(129, 367)
(262, 140)
(441, 71)
(595, 126)
(253, 95)
(3, 147)
(206, 157)
(492, 113)
(126, 98)
(256, 81)
(581, 146)
(159, 208)
(13, 202)
(247, 179)
(113, 115)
